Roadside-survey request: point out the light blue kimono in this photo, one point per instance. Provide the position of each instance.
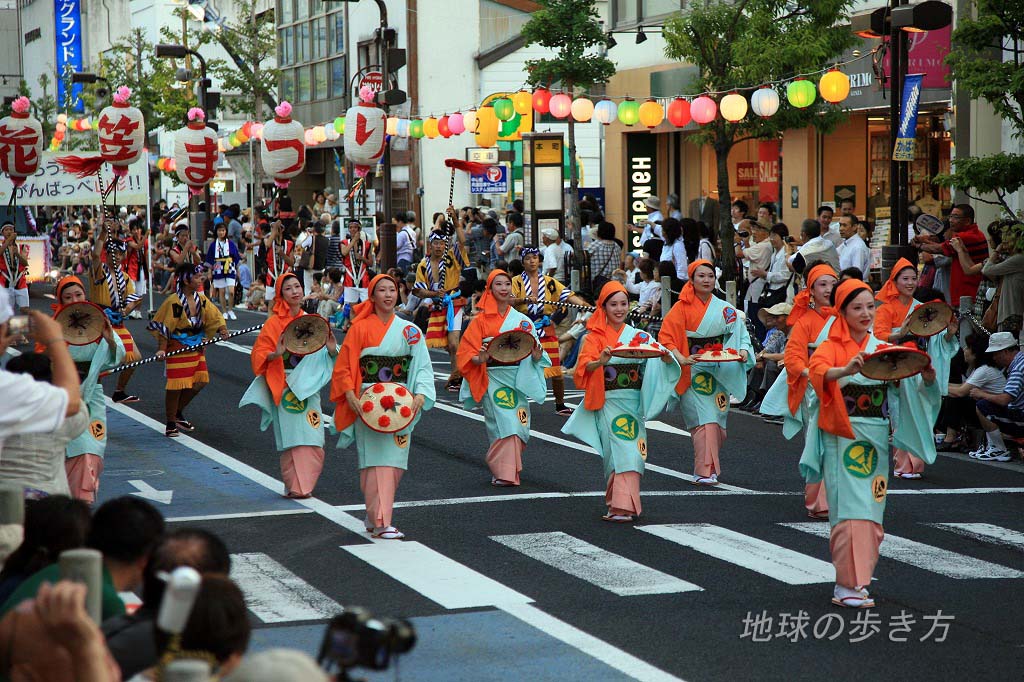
(298, 419)
(375, 449)
(941, 351)
(707, 400)
(618, 430)
(856, 472)
(94, 358)
(510, 388)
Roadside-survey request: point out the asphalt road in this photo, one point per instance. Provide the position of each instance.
(530, 583)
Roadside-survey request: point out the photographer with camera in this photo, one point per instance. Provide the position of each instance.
(358, 262)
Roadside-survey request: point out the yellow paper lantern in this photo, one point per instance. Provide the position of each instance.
(733, 107)
(651, 113)
(834, 86)
(430, 128)
(582, 109)
(522, 102)
(487, 127)
(392, 125)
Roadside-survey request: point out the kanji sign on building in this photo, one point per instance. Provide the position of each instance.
(68, 30)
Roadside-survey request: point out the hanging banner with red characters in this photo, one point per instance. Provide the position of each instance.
(768, 170)
(51, 185)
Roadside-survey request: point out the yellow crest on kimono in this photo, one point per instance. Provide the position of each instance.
(523, 415)
(721, 402)
(98, 429)
(505, 398)
(291, 403)
(641, 446)
(703, 383)
(625, 427)
(401, 440)
(878, 488)
(313, 417)
(860, 459)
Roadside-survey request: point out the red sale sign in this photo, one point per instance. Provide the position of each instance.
(768, 170)
(746, 174)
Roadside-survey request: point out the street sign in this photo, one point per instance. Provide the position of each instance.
(482, 155)
(375, 79)
(493, 181)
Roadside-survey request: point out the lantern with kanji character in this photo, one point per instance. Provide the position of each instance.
(21, 142)
(283, 150)
(122, 136)
(195, 152)
(365, 126)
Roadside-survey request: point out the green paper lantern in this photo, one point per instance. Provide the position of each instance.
(339, 125)
(416, 128)
(801, 93)
(629, 112)
(504, 109)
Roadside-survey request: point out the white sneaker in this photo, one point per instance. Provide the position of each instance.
(994, 454)
(231, 315)
(977, 454)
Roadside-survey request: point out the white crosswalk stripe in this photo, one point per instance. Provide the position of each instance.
(920, 555)
(751, 553)
(597, 566)
(275, 594)
(986, 532)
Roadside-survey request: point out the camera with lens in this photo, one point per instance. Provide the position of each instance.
(743, 234)
(358, 639)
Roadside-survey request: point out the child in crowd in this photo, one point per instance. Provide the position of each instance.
(767, 368)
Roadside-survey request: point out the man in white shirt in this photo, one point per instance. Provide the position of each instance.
(813, 248)
(829, 230)
(738, 213)
(554, 254)
(758, 256)
(652, 228)
(853, 252)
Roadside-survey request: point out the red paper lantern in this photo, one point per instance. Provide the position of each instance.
(442, 127)
(541, 99)
(21, 142)
(196, 152)
(679, 112)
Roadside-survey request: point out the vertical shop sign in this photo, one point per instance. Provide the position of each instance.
(768, 170)
(68, 25)
(907, 132)
(641, 180)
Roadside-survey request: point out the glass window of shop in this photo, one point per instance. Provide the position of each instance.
(311, 36)
(631, 12)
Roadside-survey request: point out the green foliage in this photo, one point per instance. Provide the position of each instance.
(988, 63)
(571, 27)
(252, 40)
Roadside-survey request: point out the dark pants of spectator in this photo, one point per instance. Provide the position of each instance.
(751, 311)
(956, 414)
(404, 265)
(1010, 422)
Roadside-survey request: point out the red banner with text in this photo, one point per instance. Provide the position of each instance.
(768, 170)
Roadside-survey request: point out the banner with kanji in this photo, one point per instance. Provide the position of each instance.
(52, 186)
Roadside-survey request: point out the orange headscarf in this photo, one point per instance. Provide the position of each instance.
(63, 284)
(689, 294)
(889, 293)
(367, 330)
(266, 343)
(802, 302)
(686, 314)
(836, 352)
(486, 324)
(600, 336)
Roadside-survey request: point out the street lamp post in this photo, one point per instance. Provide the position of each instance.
(171, 51)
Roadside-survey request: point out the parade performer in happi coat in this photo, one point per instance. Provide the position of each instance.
(222, 257)
(112, 289)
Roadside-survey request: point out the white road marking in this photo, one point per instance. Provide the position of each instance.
(750, 553)
(597, 566)
(435, 576)
(148, 492)
(275, 594)
(564, 632)
(986, 532)
(239, 515)
(920, 555)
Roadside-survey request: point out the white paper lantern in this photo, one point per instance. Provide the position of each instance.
(365, 134)
(122, 132)
(21, 142)
(195, 152)
(765, 102)
(283, 149)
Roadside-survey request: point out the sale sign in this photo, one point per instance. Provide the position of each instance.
(746, 174)
(768, 170)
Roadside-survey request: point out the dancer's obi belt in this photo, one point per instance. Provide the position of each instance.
(866, 400)
(697, 343)
(623, 375)
(384, 368)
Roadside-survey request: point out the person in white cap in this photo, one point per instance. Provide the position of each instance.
(1002, 413)
(652, 228)
(554, 253)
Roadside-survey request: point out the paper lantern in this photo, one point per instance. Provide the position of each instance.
(339, 124)
(469, 121)
(703, 109)
(257, 130)
(834, 86)
(392, 125)
(733, 107)
(456, 124)
(430, 130)
(283, 149)
(122, 132)
(196, 152)
(21, 142)
(403, 127)
(765, 102)
(541, 98)
(582, 109)
(629, 112)
(307, 137)
(522, 102)
(487, 128)
(605, 111)
(416, 129)
(800, 93)
(331, 133)
(503, 108)
(365, 132)
(442, 127)
(651, 113)
(560, 105)
(679, 112)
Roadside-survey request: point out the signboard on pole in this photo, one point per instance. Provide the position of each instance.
(68, 20)
(52, 186)
(493, 181)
